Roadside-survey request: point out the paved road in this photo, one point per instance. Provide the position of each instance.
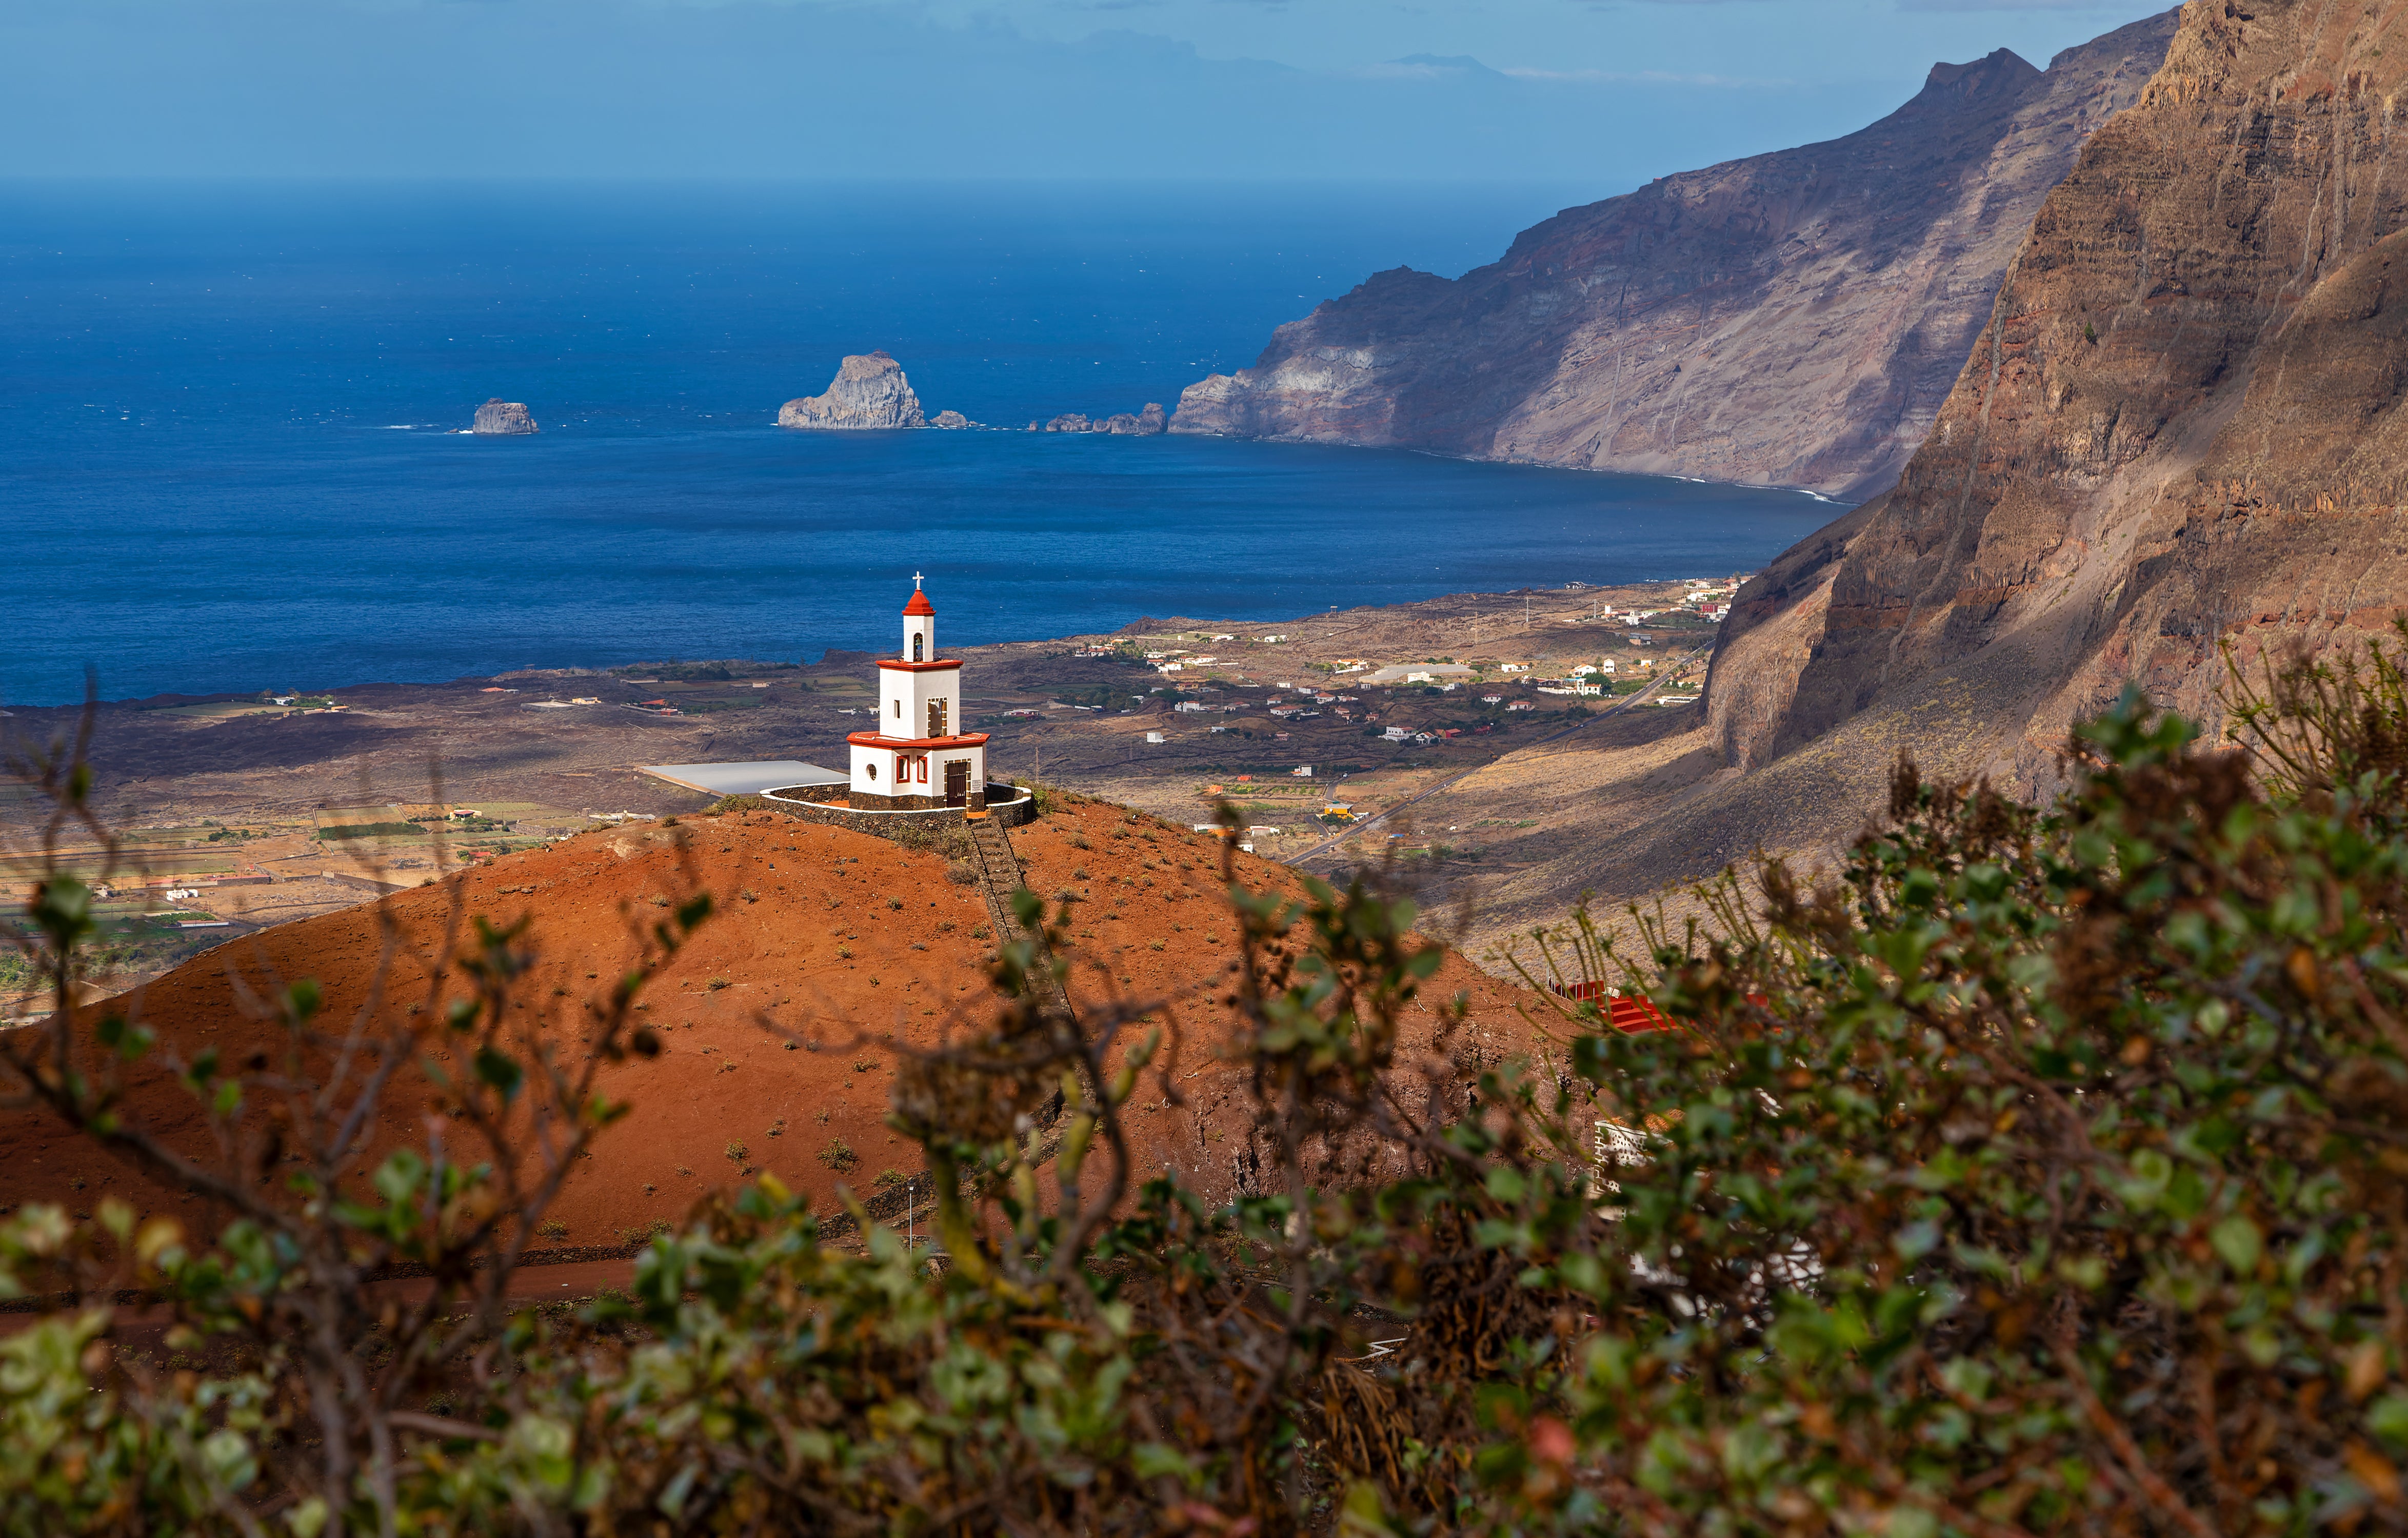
(1355, 829)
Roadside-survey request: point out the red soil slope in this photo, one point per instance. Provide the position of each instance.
(791, 899)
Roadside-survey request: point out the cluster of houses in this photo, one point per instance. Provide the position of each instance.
(1179, 659)
(1288, 703)
(1704, 597)
(1589, 679)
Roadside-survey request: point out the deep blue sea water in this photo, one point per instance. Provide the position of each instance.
(224, 462)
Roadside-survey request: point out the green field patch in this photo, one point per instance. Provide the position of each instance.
(698, 672)
(218, 713)
(707, 707)
(224, 709)
(1104, 695)
(457, 825)
(146, 838)
(32, 867)
(373, 830)
(89, 869)
(186, 865)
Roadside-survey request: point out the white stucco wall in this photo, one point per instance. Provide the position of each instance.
(905, 694)
(874, 769)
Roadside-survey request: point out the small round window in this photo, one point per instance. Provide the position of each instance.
(873, 770)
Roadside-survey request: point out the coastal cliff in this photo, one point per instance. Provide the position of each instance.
(499, 418)
(870, 391)
(2179, 428)
(1790, 319)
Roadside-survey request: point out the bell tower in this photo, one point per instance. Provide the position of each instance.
(919, 625)
(917, 758)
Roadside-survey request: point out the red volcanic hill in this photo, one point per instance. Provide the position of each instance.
(820, 933)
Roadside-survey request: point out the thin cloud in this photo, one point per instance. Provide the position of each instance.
(1397, 70)
(1609, 7)
(2005, 5)
(1637, 77)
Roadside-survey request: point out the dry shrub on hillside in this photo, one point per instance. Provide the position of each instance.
(2041, 1174)
(328, 1387)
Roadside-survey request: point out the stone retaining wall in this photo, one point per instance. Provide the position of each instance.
(1010, 805)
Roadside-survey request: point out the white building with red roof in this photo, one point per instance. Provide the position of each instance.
(917, 757)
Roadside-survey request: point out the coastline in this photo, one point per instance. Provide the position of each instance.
(467, 558)
(245, 812)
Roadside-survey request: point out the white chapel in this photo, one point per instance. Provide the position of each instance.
(916, 758)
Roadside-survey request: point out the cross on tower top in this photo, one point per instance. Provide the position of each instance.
(915, 582)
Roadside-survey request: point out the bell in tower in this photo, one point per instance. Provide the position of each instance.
(918, 625)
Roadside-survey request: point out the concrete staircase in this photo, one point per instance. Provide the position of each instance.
(999, 876)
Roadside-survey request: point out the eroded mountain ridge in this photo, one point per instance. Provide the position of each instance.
(1789, 318)
(2179, 427)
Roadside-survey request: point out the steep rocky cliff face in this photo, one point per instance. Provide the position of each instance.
(1792, 319)
(869, 390)
(2179, 428)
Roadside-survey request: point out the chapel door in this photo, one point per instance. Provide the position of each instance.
(957, 783)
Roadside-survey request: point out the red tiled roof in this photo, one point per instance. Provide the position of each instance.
(1629, 1013)
(918, 604)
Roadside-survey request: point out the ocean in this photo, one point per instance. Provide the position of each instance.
(229, 457)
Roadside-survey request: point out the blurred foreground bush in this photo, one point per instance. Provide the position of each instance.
(2041, 1173)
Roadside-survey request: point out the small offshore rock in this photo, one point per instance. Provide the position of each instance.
(951, 419)
(869, 391)
(503, 418)
(1143, 423)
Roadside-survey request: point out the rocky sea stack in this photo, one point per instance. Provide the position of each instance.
(1143, 423)
(503, 418)
(869, 391)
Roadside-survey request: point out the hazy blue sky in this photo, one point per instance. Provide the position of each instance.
(1606, 93)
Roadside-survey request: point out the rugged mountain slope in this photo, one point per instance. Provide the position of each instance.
(821, 932)
(1791, 319)
(2179, 426)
